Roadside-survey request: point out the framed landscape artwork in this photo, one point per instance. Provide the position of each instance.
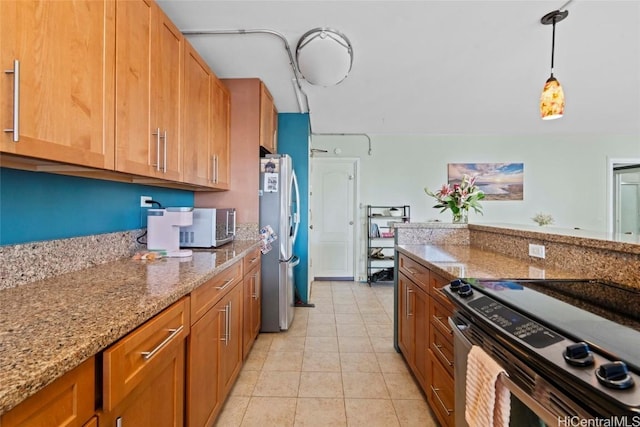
(499, 181)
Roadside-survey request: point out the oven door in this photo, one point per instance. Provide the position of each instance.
(525, 411)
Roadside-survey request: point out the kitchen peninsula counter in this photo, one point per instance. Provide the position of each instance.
(454, 261)
(50, 326)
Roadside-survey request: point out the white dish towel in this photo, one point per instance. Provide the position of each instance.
(488, 401)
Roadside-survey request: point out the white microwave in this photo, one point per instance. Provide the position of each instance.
(211, 227)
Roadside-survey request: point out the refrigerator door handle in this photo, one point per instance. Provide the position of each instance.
(296, 215)
(294, 260)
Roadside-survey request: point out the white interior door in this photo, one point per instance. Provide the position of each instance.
(332, 201)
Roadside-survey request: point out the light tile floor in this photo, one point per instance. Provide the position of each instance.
(335, 366)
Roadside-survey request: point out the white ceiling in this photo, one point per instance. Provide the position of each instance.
(438, 67)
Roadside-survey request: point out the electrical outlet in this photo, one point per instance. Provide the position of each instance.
(144, 202)
(536, 250)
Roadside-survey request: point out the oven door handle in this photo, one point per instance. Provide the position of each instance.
(457, 326)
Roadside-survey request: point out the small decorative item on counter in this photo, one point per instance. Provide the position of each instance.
(459, 198)
(149, 255)
(542, 219)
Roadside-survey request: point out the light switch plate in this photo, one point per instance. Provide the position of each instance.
(536, 251)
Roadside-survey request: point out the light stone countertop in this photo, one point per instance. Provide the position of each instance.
(50, 326)
(453, 261)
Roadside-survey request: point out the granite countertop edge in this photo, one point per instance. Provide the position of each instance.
(51, 326)
(456, 261)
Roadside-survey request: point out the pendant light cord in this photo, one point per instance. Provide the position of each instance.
(553, 44)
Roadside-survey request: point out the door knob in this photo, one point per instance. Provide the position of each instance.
(311, 227)
(350, 222)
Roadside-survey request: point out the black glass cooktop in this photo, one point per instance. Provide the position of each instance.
(605, 315)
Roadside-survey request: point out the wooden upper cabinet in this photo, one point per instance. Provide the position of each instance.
(65, 51)
(149, 54)
(268, 121)
(220, 122)
(198, 165)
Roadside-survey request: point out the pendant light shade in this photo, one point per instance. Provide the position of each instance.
(552, 98)
(324, 56)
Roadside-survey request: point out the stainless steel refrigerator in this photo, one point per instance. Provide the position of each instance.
(279, 221)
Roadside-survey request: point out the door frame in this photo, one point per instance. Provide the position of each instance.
(357, 232)
(611, 188)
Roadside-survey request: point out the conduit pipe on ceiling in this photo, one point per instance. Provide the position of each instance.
(296, 77)
(346, 134)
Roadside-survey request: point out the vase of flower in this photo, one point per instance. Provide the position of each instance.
(459, 198)
(462, 217)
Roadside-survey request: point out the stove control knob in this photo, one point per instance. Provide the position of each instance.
(614, 375)
(578, 354)
(455, 284)
(465, 290)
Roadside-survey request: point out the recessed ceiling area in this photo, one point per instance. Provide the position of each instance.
(437, 67)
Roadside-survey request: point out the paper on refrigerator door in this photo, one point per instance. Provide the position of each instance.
(267, 235)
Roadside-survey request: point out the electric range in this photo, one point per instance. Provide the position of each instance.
(581, 336)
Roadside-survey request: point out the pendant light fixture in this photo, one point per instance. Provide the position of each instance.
(552, 99)
(324, 56)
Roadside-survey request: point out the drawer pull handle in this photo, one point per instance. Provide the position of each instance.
(435, 392)
(252, 260)
(149, 354)
(440, 320)
(412, 271)
(226, 283)
(439, 349)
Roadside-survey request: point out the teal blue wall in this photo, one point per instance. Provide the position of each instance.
(41, 206)
(293, 139)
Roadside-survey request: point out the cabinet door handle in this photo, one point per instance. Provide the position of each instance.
(255, 293)
(435, 392)
(229, 323)
(16, 100)
(164, 164)
(439, 350)
(224, 333)
(216, 175)
(409, 311)
(119, 422)
(157, 135)
(173, 332)
(226, 283)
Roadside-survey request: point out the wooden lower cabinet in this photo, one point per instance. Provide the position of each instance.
(157, 402)
(215, 357)
(424, 336)
(68, 401)
(252, 306)
(413, 330)
(440, 392)
(144, 372)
